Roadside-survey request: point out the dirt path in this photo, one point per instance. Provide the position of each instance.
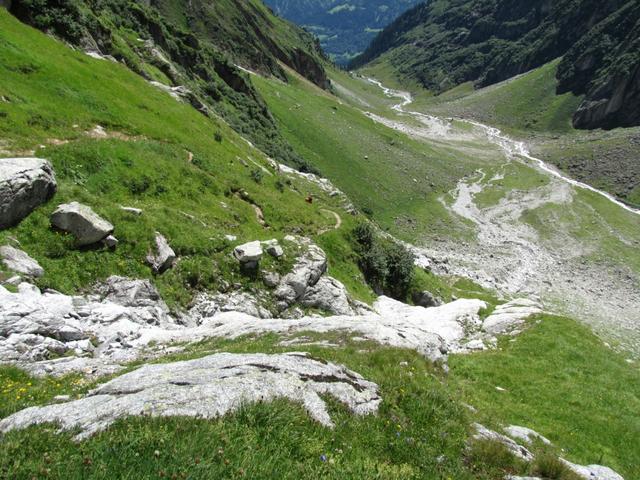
(337, 217)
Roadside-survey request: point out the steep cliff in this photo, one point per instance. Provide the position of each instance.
(444, 43)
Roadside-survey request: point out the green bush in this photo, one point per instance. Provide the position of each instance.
(387, 265)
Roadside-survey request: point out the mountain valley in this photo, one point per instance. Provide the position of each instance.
(221, 256)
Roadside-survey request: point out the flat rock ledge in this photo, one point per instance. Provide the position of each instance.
(207, 387)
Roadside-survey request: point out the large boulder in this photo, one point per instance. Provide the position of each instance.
(20, 262)
(164, 257)
(248, 253)
(25, 183)
(330, 295)
(306, 272)
(426, 299)
(82, 222)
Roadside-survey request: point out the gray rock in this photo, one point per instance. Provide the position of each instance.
(207, 387)
(510, 316)
(164, 257)
(134, 211)
(20, 262)
(111, 241)
(273, 248)
(275, 251)
(525, 434)
(81, 221)
(131, 293)
(328, 294)
(249, 252)
(426, 299)
(593, 472)
(207, 306)
(25, 183)
(305, 273)
(271, 279)
(483, 433)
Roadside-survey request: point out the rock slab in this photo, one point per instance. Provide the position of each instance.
(20, 262)
(164, 257)
(82, 222)
(208, 387)
(25, 183)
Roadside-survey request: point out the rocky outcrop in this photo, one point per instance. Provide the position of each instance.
(483, 433)
(208, 387)
(20, 262)
(426, 299)
(131, 293)
(306, 272)
(39, 326)
(589, 472)
(525, 434)
(510, 316)
(207, 306)
(593, 472)
(25, 183)
(82, 222)
(164, 256)
(613, 104)
(330, 295)
(126, 319)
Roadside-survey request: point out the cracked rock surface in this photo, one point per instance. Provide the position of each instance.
(51, 333)
(25, 183)
(208, 387)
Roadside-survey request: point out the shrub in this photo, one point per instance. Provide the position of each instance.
(492, 459)
(386, 265)
(548, 465)
(257, 175)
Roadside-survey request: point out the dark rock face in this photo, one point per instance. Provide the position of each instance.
(426, 299)
(488, 41)
(614, 104)
(605, 67)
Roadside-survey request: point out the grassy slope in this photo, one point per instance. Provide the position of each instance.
(553, 374)
(359, 155)
(55, 95)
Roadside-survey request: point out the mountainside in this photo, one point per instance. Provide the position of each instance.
(191, 47)
(176, 301)
(445, 43)
(344, 27)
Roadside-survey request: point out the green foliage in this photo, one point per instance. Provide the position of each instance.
(491, 458)
(548, 465)
(257, 175)
(386, 264)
